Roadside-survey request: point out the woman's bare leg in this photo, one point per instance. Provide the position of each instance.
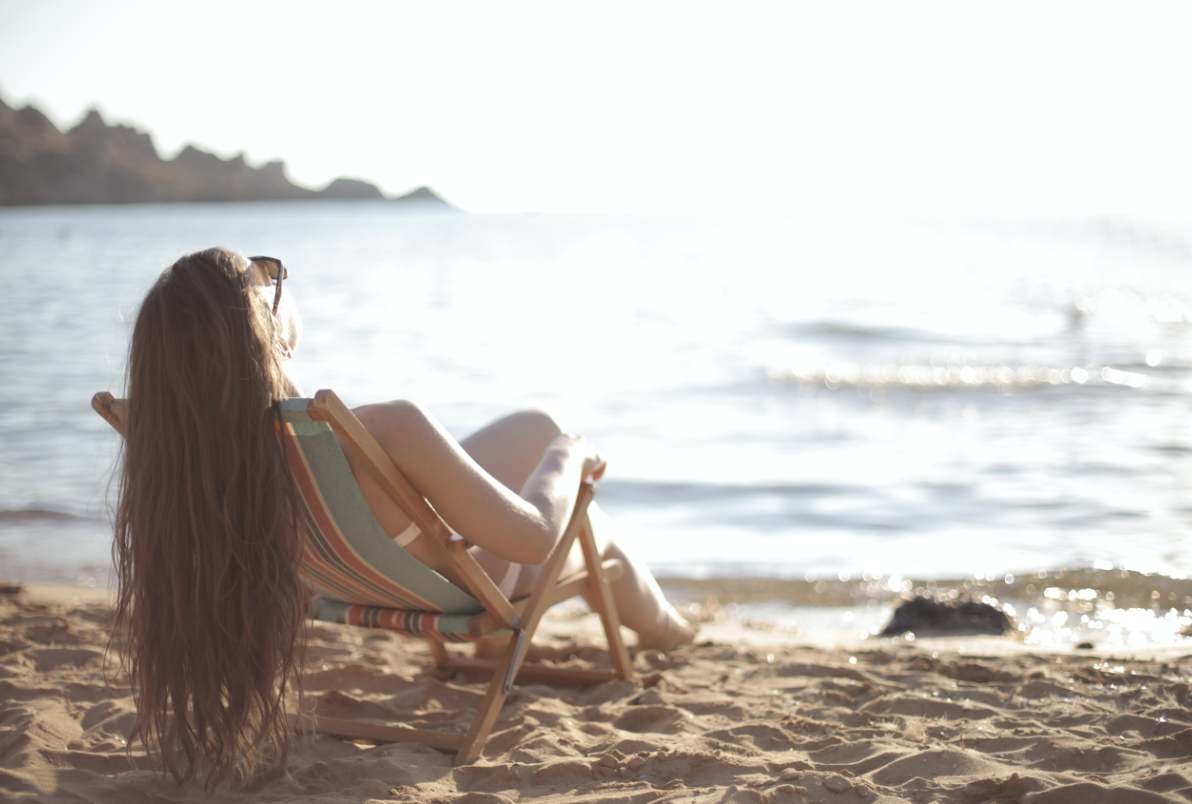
(509, 449)
(640, 602)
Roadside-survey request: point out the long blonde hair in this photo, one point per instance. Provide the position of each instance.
(207, 538)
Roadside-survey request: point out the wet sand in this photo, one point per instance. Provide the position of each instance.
(747, 714)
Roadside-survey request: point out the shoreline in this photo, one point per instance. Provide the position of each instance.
(1103, 609)
(1129, 588)
(754, 632)
(1084, 609)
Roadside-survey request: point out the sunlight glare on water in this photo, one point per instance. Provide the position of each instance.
(775, 395)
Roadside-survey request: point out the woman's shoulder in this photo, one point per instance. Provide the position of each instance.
(400, 421)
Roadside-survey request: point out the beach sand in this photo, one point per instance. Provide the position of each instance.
(744, 715)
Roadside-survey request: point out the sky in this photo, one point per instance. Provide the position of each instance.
(648, 107)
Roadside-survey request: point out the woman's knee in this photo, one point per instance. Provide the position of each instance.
(535, 426)
(510, 448)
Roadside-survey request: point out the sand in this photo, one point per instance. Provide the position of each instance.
(743, 715)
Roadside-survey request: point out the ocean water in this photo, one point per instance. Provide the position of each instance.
(795, 397)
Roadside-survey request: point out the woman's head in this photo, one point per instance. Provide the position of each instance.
(205, 329)
(207, 535)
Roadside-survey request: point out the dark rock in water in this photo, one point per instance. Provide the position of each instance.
(95, 163)
(924, 616)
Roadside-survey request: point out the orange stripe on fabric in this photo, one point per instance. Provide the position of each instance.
(409, 623)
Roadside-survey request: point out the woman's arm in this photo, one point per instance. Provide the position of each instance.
(520, 528)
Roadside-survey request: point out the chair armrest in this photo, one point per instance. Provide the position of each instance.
(113, 410)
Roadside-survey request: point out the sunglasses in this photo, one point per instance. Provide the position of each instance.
(276, 269)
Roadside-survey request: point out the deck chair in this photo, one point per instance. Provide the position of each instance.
(363, 577)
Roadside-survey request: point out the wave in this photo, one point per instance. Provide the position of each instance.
(1124, 304)
(923, 377)
(653, 492)
(833, 329)
(1103, 581)
(26, 515)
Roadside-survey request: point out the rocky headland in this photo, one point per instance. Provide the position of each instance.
(97, 163)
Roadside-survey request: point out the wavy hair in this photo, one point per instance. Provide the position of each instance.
(207, 533)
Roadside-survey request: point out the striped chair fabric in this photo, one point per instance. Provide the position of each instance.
(359, 574)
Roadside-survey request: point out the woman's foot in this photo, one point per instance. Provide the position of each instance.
(678, 632)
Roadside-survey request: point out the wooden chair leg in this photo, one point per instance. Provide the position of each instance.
(511, 660)
(486, 713)
(438, 652)
(602, 598)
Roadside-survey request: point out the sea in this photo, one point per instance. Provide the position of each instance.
(885, 405)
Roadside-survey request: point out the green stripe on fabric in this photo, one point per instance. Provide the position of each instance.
(355, 519)
(293, 410)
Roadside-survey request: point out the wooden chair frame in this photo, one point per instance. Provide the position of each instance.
(521, 617)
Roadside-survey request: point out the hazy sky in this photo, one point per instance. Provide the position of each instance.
(1054, 107)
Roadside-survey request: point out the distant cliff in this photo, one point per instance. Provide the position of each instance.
(95, 163)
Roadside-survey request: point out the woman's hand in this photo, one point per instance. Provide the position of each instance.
(593, 464)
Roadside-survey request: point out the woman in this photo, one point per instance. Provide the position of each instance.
(207, 545)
